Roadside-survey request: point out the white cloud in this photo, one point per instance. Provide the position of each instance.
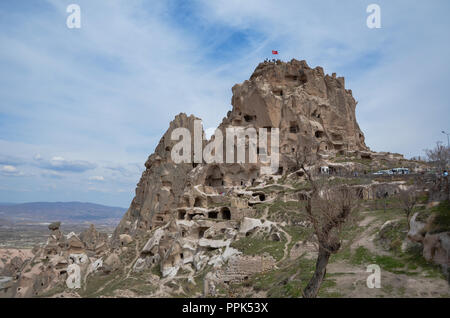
(8, 170)
(97, 178)
(52, 174)
(60, 164)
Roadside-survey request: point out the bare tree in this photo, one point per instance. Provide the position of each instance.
(408, 200)
(305, 153)
(383, 194)
(439, 156)
(329, 210)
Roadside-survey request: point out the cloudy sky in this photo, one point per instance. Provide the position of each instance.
(81, 109)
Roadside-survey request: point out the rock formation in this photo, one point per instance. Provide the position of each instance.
(304, 103)
(49, 265)
(193, 208)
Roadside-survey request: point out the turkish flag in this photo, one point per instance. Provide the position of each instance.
(274, 52)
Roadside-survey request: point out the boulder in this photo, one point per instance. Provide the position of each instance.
(92, 239)
(54, 226)
(417, 229)
(125, 239)
(111, 263)
(436, 248)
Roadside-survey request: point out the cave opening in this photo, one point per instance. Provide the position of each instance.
(293, 127)
(213, 214)
(249, 118)
(181, 214)
(225, 214)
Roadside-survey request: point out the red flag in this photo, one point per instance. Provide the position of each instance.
(274, 52)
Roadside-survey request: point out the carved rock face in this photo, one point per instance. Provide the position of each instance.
(311, 110)
(160, 186)
(306, 105)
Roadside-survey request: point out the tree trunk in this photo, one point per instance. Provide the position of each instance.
(312, 289)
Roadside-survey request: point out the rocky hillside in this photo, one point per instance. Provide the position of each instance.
(309, 108)
(199, 229)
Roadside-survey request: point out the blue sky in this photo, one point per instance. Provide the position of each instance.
(81, 109)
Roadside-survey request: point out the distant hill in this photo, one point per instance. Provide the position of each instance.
(77, 212)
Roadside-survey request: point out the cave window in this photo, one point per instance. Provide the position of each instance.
(291, 77)
(198, 202)
(167, 148)
(293, 150)
(225, 214)
(278, 92)
(293, 128)
(303, 78)
(212, 215)
(201, 231)
(280, 171)
(249, 118)
(159, 218)
(181, 255)
(262, 197)
(181, 214)
(316, 114)
(319, 134)
(214, 178)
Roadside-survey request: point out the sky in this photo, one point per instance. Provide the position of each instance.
(82, 109)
